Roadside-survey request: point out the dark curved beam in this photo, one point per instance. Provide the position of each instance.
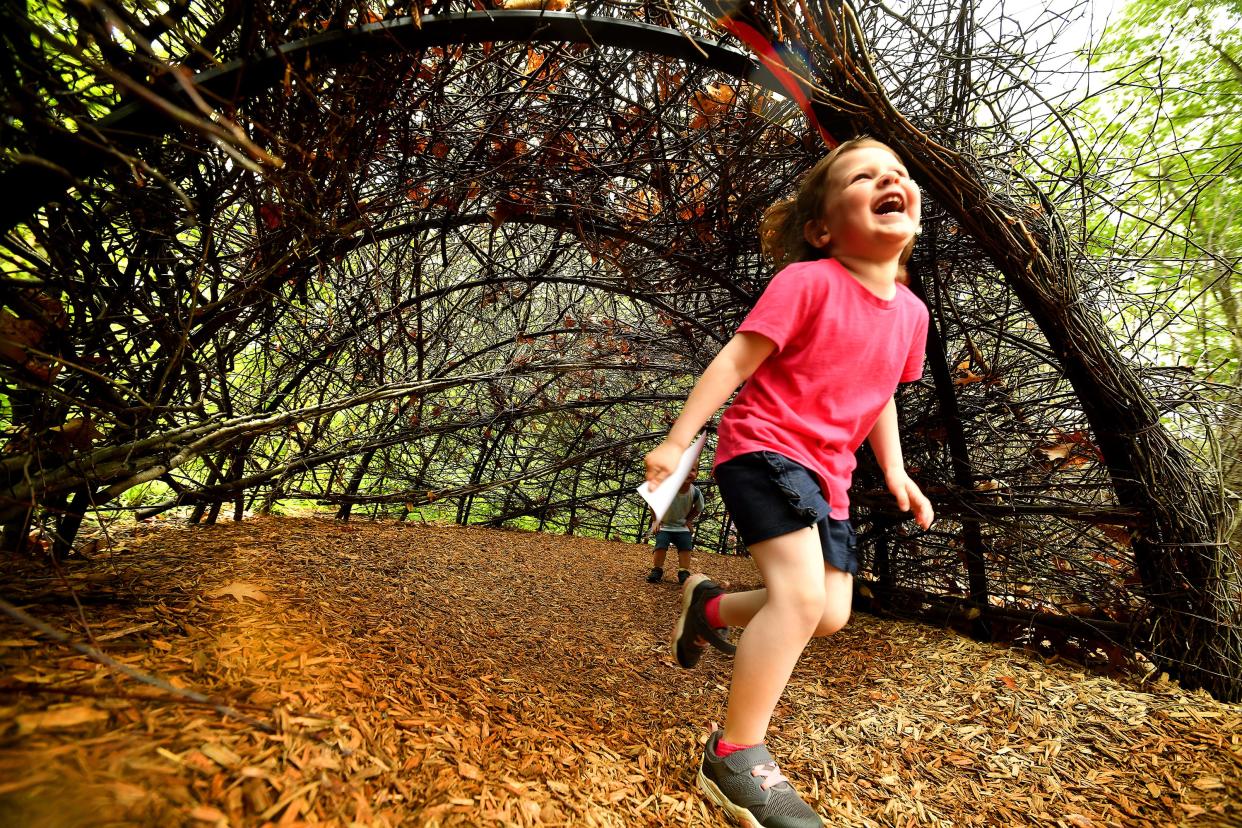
(29, 186)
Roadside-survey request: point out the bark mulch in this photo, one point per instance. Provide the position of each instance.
(441, 676)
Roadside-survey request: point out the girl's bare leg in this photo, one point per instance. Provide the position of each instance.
(779, 625)
(738, 608)
(839, 599)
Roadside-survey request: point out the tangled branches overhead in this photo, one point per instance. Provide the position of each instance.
(457, 209)
(467, 265)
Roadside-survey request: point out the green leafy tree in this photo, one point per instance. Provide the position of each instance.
(1165, 138)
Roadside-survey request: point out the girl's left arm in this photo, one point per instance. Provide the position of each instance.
(886, 443)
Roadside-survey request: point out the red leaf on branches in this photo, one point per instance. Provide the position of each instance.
(1073, 449)
(16, 334)
(271, 215)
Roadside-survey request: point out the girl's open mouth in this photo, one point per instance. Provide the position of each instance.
(892, 203)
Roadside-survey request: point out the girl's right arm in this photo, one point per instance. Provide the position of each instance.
(734, 364)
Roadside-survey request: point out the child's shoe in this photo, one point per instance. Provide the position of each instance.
(692, 633)
(747, 784)
(682, 575)
(655, 575)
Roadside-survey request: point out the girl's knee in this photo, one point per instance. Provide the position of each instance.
(805, 603)
(832, 619)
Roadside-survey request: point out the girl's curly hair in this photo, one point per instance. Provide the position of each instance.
(781, 236)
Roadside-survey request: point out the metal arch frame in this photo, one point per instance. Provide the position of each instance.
(30, 186)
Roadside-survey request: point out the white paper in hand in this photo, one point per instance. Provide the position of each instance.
(660, 499)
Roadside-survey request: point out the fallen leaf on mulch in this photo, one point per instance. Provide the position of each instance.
(238, 590)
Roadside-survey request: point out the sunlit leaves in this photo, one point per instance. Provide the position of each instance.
(1167, 143)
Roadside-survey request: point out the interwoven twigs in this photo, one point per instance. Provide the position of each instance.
(453, 222)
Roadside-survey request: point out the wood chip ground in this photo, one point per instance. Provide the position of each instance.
(441, 676)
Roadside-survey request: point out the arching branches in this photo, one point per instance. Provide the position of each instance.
(496, 250)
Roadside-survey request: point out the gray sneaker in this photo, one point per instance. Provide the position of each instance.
(749, 787)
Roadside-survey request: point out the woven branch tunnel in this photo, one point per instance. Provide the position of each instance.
(466, 266)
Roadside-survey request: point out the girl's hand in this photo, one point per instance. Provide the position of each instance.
(910, 497)
(661, 461)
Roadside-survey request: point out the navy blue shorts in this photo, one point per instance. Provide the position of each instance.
(769, 495)
(684, 541)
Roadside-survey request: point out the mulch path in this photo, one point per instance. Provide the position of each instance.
(441, 676)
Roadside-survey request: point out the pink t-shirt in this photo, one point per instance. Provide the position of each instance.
(840, 352)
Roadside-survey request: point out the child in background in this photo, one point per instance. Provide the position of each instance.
(821, 354)
(677, 529)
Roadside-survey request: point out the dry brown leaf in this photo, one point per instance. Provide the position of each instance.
(239, 590)
(1058, 451)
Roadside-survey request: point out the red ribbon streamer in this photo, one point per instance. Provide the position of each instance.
(780, 69)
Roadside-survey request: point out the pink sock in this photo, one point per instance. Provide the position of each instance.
(711, 611)
(724, 748)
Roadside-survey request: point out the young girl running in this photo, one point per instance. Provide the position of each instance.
(821, 354)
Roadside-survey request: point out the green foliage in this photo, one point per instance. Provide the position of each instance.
(1166, 142)
(145, 494)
